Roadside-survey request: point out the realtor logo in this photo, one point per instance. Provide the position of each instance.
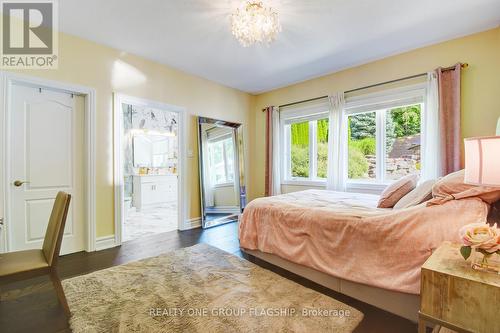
(29, 34)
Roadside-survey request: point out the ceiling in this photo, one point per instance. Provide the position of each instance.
(318, 37)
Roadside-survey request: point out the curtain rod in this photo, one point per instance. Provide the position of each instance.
(464, 65)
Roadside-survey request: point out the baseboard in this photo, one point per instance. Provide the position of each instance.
(192, 223)
(105, 242)
(223, 209)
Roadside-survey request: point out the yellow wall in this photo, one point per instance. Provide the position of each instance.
(480, 87)
(109, 70)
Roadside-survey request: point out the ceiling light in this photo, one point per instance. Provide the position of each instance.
(254, 23)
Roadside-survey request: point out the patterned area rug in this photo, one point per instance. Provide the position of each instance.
(200, 289)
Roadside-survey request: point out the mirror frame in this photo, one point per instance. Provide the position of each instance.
(239, 149)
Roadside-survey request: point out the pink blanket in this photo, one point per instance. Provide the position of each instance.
(345, 235)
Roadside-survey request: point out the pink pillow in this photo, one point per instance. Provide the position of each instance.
(394, 192)
(452, 187)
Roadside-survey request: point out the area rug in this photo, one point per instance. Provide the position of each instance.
(200, 289)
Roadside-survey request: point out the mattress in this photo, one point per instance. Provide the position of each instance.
(346, 236)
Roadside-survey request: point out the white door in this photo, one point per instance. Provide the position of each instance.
(46, 156)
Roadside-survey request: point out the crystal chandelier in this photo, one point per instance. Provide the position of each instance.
(255, 24)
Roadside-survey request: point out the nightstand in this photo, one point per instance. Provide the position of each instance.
(455, 296)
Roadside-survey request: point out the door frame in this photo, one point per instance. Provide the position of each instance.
(7, 79)
(118, 100)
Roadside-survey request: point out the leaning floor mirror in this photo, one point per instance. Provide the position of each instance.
(222, 185)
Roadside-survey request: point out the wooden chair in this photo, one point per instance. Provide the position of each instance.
(21, 265)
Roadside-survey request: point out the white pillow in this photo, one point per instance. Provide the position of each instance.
(420, 194)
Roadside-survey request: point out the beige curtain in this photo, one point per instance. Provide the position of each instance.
(449, 119)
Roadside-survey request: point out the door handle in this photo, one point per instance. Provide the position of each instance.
(19, 183)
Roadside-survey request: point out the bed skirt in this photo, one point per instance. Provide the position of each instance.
(401, 304)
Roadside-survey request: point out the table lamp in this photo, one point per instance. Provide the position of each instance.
(482, 166)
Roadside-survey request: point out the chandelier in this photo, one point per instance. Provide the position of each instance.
(255, 23)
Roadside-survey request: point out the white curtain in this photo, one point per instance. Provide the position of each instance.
(276, 180)
(208, 188)
(337, 142)
(431, 160)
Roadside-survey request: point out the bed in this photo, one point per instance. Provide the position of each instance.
(344, 242)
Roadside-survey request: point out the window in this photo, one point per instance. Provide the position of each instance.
(403, 141)
(299, 134)
(302, 148)
(361, 146)
(322, 147)
(399, 137)
(380, 139)
(384, 135)
(221, 154)
(305, 139)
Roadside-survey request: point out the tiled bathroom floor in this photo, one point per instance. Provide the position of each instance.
(150, 221)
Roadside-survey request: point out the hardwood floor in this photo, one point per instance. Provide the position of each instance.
(32, 306)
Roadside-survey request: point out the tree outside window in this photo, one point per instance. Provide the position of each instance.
(302, 148)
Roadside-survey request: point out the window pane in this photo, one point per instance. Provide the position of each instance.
(299, 141)
(322, 141)
(217, 161)
(402, 142)
(362, 146)
(228, 146)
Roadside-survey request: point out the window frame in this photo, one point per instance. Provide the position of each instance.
(310, 113)
(381, 103)
(378, 102)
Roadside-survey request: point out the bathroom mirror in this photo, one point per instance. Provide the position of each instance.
(223, 191)
(150, 150)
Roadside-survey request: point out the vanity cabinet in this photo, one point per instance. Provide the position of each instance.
(154, 190)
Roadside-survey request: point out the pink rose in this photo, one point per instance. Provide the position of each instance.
(481, 236)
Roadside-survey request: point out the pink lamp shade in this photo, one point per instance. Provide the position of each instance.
(482, 161)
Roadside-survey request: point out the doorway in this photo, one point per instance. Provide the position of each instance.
(148, 157)
(46, 148)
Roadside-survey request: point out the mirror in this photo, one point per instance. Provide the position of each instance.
(151, 151)
(223, 191)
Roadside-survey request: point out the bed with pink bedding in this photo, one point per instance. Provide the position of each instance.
(344, 235)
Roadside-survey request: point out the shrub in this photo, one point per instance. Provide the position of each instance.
(357, 168)
(358, 165)
(300, 161)
(322, 159)
(366, 146)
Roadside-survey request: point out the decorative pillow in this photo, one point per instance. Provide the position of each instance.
(394, 192)
(452, 187)
(420, 194)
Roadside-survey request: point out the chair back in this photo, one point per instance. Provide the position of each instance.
(55, 229)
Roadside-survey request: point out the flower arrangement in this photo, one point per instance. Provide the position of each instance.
(485, 241)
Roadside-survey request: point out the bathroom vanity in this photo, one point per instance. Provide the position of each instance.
(152, 190)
